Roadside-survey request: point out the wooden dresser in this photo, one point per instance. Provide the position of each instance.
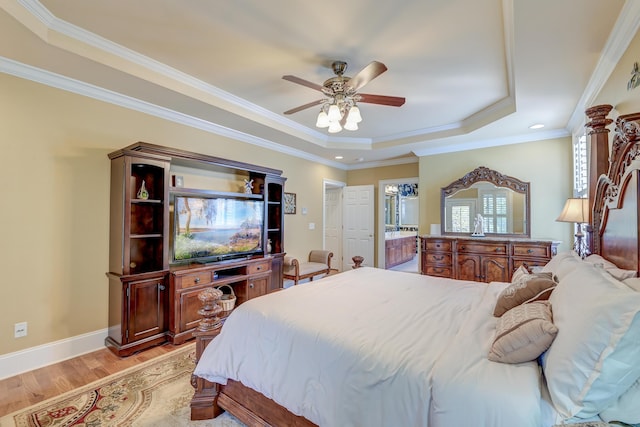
(485, 259)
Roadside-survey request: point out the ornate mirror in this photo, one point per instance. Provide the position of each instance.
(503, 202)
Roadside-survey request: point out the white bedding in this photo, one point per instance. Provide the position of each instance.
(371, 347)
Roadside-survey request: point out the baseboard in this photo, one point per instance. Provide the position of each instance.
(36, 357)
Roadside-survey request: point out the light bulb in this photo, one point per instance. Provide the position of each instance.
(335, 127)
(351, 125)
(354, 114)
(323, 120)
(334, 113)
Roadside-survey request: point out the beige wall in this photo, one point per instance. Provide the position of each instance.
(55, 215)
(545, 164)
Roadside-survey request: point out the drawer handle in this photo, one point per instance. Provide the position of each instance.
(438, 245)
(251, 285)
(161, 287)
(498, 249)
(529, 251)
(259, 268)
(197, 280)
(439, 258)
(462, 247)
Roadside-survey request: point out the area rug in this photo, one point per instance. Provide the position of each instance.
(154, 393)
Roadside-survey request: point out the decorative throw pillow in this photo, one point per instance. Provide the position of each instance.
(523, 333)
(594, 358)
(524, 288)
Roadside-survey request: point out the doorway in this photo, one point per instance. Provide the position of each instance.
(348, 223)
(398, 217)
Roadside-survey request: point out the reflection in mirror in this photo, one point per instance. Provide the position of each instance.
(503, 202)
(401, 207)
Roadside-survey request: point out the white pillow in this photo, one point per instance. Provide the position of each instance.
(594, 358)
(633, 283)
(627, 407)
(610, 267)
(562, 264)
(598, 259)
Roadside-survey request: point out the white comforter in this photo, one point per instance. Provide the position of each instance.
(371, 347)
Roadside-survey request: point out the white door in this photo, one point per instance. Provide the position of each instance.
(358, 232)
(333, 225)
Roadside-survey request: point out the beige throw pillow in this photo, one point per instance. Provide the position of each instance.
(524, 288)
(523, 333)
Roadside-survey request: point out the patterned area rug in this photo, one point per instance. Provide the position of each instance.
(156, 393)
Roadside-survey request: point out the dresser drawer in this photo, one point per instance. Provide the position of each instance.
(531, 250)
(438, 258)
(482, 248)
(433, 270)
(259, 267)
(195, 279)
(438, 245)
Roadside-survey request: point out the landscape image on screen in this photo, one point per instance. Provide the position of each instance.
(210, 227)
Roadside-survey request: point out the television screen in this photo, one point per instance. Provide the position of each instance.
(216, 228)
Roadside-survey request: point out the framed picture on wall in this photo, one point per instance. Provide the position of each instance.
(289, 203)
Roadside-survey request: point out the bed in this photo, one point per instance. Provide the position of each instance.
(374, 347)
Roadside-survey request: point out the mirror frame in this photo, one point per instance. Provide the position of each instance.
(499, 180)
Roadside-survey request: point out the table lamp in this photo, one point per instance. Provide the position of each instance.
(576, 210)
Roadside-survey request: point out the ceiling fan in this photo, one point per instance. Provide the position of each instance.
(339, 109)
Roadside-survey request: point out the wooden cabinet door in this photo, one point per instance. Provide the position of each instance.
(189, 306)
(146, 303)
(469, 267)
(495, 269)
(257, 286)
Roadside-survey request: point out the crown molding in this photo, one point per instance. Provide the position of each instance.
(624, 30)
(449, 147)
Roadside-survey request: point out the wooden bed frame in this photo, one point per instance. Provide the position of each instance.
(613, 233)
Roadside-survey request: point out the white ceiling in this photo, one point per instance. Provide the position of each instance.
(473, 72)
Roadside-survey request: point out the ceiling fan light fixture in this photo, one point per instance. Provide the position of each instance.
(323, 120)
(354, 115)
(334, 113)
(351, 125)
(334, 127)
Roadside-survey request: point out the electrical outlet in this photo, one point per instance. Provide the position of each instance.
(20, 330)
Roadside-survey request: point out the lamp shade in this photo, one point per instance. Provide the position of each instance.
(575, 210)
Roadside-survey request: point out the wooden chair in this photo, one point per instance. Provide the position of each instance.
(319, 263)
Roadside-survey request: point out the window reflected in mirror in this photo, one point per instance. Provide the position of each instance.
(502, 201)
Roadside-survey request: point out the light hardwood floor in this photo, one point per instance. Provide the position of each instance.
(31, 387)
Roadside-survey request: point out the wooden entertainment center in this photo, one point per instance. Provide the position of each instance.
(151, 299)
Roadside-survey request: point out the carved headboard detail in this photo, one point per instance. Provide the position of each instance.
(616, 212)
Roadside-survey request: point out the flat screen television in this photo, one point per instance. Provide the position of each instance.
(215, 228)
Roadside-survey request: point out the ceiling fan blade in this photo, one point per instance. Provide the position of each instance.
(302, 82)
(304, 107)
(368, 73)
(392, 101)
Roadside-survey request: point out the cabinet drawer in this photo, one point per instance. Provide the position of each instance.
(259, 267)
(195, 279)
(527, 263)
(543, 251)
(438, 258)
(439, 271)
(482, 248)
(438, 245)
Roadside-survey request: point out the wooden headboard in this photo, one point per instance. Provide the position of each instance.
(615, 222)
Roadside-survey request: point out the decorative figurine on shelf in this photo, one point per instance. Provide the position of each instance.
(142, 192)
(248, 186)
(477, 227)
(269, 246)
